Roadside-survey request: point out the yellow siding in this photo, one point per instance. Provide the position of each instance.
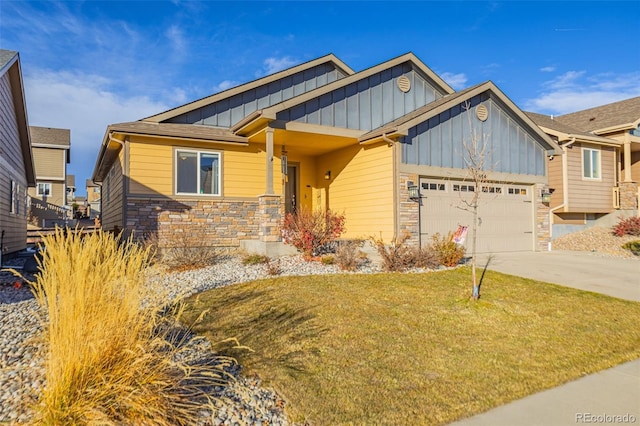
(361, 186)
(151, 167)
(49, 163)
(586, 195)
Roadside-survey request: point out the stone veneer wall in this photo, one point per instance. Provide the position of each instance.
(543, 224)
(220, 223)
(270, 213)
(409, 212)
(629, 195)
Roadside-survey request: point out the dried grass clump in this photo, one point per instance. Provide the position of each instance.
(397, 256)
(108, 361)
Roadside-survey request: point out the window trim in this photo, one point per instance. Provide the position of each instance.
(47, 184)
(599, 166)
(199, 152)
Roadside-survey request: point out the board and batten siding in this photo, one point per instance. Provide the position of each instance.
(590, 195)
(440, 141)
(227, 112)
(368, 103)
(361, 187)
(13, 223)
(112, 196)
(151, 168)
(50, 163)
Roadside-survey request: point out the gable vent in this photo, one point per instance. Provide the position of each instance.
(482, 112)
(404, 84)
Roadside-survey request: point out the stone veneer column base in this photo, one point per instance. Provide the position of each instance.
(629, 193)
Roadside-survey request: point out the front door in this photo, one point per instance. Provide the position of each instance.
(291, 189)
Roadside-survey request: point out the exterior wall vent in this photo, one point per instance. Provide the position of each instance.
(404, 84)
(482, 112)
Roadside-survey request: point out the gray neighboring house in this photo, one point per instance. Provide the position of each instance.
(17, 172)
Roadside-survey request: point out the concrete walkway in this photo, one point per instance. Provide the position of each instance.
(608, 397)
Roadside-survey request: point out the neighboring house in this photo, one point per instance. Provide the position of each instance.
(224, 170)
(51, 154)
(16, 161)
(619, 121)
(70, 194)
(93, 198)
(596, 181)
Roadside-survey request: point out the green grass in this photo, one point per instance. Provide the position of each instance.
(412, 348)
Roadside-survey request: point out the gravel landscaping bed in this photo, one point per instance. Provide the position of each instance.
(596, 240)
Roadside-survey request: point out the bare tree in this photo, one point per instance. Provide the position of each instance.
(476, 155)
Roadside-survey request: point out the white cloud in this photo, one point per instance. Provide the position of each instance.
(83, 104)
(176, 38)
(576, 90)
(224, 85)
(272, 65)
(548, 69)
(457, 81)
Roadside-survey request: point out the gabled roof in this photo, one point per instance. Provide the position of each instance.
(330, 58)
(10, 65)
(49, 136)
(623, 115)
(564, 132)
(265, 115)
(402, 125)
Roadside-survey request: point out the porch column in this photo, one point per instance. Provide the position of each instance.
(269, 165)
(627, 157)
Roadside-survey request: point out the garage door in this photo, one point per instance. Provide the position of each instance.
(505, 214)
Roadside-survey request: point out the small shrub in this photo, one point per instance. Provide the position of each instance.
(273, 267)
(310, 231)
(327, 259)
(448, 252)
(348, 256)
(627, 226)
(255, 259)
(397, 256)
(424, 257)
(633, 247)
(179, 253)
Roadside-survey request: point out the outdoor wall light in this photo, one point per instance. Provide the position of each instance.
(414, 193)
(327, 175)
(546, 197)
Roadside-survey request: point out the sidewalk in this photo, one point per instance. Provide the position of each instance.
(608, 397)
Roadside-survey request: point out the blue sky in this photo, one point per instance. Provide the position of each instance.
(87, 64)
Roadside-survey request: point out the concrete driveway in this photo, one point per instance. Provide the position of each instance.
(585, 271)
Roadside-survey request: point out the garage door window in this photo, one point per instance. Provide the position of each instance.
(517, 191)
(463, 188)
(430, 186)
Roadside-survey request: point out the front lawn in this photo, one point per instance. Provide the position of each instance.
(412, 348)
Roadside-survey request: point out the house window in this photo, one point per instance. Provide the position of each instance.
(96, 189)
(591, 163)
(197, 172)
(44, 189)
(13, 206)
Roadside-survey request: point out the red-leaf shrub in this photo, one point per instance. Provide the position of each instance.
(309, 231)
(627, 226)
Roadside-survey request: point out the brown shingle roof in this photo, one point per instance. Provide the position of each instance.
(605, 116)
(187, 131)
(50, 136)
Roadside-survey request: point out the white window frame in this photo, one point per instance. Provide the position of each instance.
(586, 150)
(14, 196)
(45, 184)
(199, 153)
